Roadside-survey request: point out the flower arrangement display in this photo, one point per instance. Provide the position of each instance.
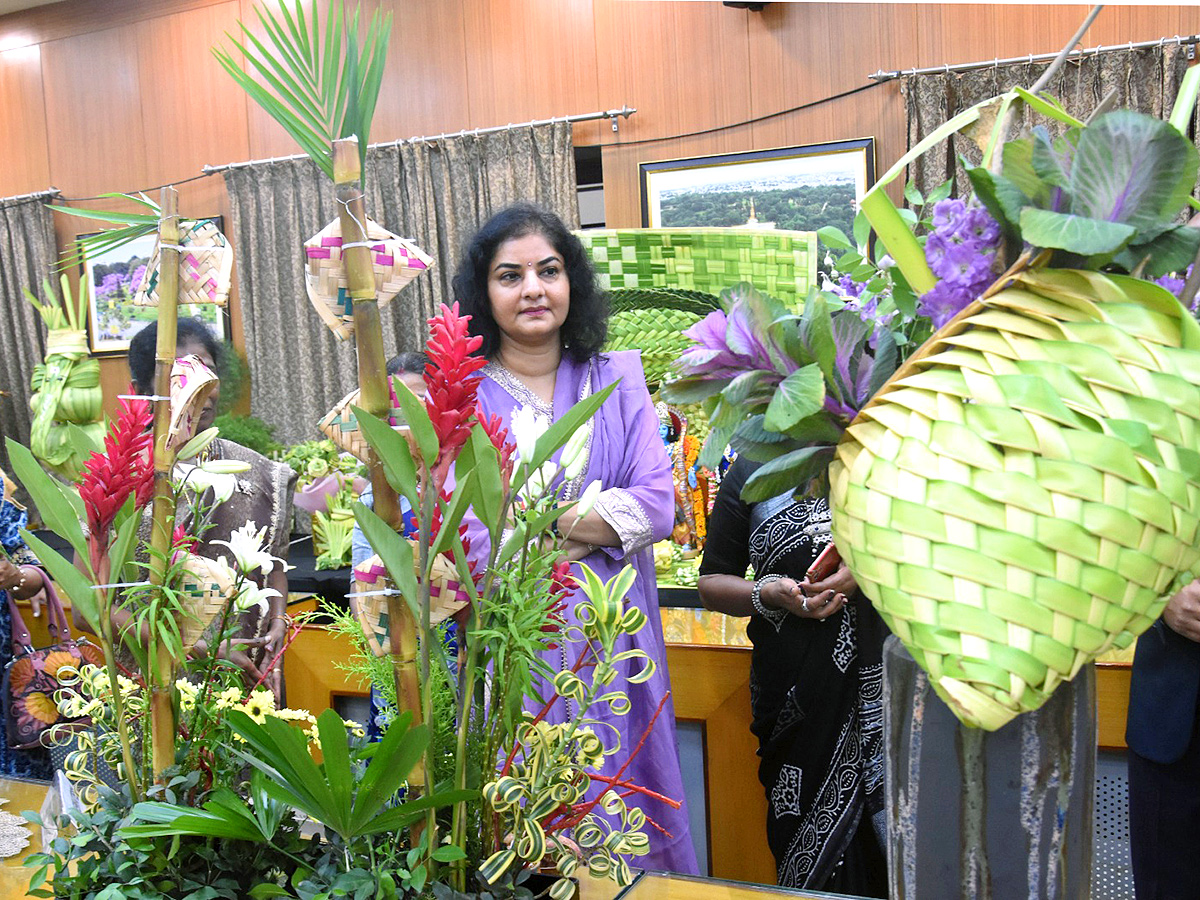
(326, 488)
(1020, 493)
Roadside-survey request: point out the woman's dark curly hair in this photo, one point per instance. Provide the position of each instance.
(586, 326)
(144, 344)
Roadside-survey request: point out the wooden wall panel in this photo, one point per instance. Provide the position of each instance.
(23, 123)
(192, 111)
(95, 123)
(531, 60)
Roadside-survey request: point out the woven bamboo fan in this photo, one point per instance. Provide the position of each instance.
(1025, 492)
(780, 263)
(205, 587)
(396, 262)
(446, 598)
(205, 267)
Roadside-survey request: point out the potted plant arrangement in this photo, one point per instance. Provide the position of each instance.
(329, 483)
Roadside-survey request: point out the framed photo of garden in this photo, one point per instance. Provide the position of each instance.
(793, 188)
(112, 277)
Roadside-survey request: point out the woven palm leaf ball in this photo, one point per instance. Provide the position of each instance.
(1024, 493)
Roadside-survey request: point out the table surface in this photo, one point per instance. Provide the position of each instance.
(664, 886)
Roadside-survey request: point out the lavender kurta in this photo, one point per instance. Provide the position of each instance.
(627, 455)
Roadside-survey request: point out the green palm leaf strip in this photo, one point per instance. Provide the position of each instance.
(318, 89)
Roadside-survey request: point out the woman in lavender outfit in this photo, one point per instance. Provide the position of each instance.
(530, 290)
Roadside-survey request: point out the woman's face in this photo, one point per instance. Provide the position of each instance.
(209, 413)
(529, 291)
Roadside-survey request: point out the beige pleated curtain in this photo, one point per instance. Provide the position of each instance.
(27, 253)
(1145, 79)
(434, 192)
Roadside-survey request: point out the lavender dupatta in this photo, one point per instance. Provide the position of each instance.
(627, 455)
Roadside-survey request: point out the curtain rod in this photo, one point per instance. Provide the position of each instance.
(36, 195)
(614, 114)
(1191, 41)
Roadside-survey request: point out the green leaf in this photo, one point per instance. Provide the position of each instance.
(939, 193)
(57, 512)
(692, 390)
(1171, 251)
(558, 432)
(816, 330)
(418, 420)
(787, 473)
(1077, 234)
(1003, 199)
(898, 239)
(834, 238)
(465, 492)
(74, 583)
(912, 194)
(800, 395)
(862, 230)
(398, 465)
(1047, 106)
(395, 551)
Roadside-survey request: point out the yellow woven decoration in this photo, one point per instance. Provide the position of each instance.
(191, 384)
(341, 427)
(205, 267)
(396, 262)
(1025, 492)
(205, 587)
(447, 597)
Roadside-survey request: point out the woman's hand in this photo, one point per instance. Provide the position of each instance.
(788, 594)
(23, 582)
(830, 594)
(1182, 614)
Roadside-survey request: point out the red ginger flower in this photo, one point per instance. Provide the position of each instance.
(125, 467)
(499, 438)
(450, 383)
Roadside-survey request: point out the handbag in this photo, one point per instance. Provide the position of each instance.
(31, 676)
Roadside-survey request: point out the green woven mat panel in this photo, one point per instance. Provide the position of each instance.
(780, 263)
(1027, 493)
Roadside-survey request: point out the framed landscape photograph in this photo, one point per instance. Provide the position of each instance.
(794, 188)
(112, 277)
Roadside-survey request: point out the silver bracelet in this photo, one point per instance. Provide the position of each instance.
(775, 616)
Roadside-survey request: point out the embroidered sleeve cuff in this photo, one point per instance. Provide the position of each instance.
(622, 511)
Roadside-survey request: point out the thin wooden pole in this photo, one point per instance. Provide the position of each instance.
(374, 398)
(162, 674)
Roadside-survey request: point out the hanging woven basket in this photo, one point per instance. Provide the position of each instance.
(1025, 492)
(205, 267)
(395, 261)
(205, 588)
(341, 426)
(446, 597)
(191, 384)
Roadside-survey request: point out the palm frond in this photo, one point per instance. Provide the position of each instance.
(319, 83)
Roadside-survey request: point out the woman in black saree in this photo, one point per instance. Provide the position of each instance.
(815, 686)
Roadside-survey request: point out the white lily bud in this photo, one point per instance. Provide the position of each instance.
(225, 467)
(196, 445)
(588, 499)
(573, 452)
(526, 427)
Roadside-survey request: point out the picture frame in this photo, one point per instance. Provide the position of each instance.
(112, 277)
(794, 188)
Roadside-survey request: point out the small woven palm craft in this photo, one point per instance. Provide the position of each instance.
(396, 262)
(341, 426)
(663, 280)
(205, 267)
(446, 597)
(1025, 492)
(191, 384)
(205, 589)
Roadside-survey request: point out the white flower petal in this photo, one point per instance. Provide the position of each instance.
(587, 499)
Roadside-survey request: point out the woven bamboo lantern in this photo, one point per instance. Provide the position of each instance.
(205, 588)
(446, 597)
(205, 267)
(1024, 493)
(395, 261)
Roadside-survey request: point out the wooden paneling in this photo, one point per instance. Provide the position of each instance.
(95, 123)
(192, 111)
(1112, 701)
(530, 60)
(23, 122)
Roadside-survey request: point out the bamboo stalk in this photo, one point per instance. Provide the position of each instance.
(162, 674)
(374, 398)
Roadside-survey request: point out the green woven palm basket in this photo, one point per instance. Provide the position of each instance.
(1024, 493)
(663, 280)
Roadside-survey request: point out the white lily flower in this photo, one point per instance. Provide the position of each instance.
(199, 480)
(225, 466)
(246, 545)
(254, 596)
(526, 427)
(587, 499)
(573, 456)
